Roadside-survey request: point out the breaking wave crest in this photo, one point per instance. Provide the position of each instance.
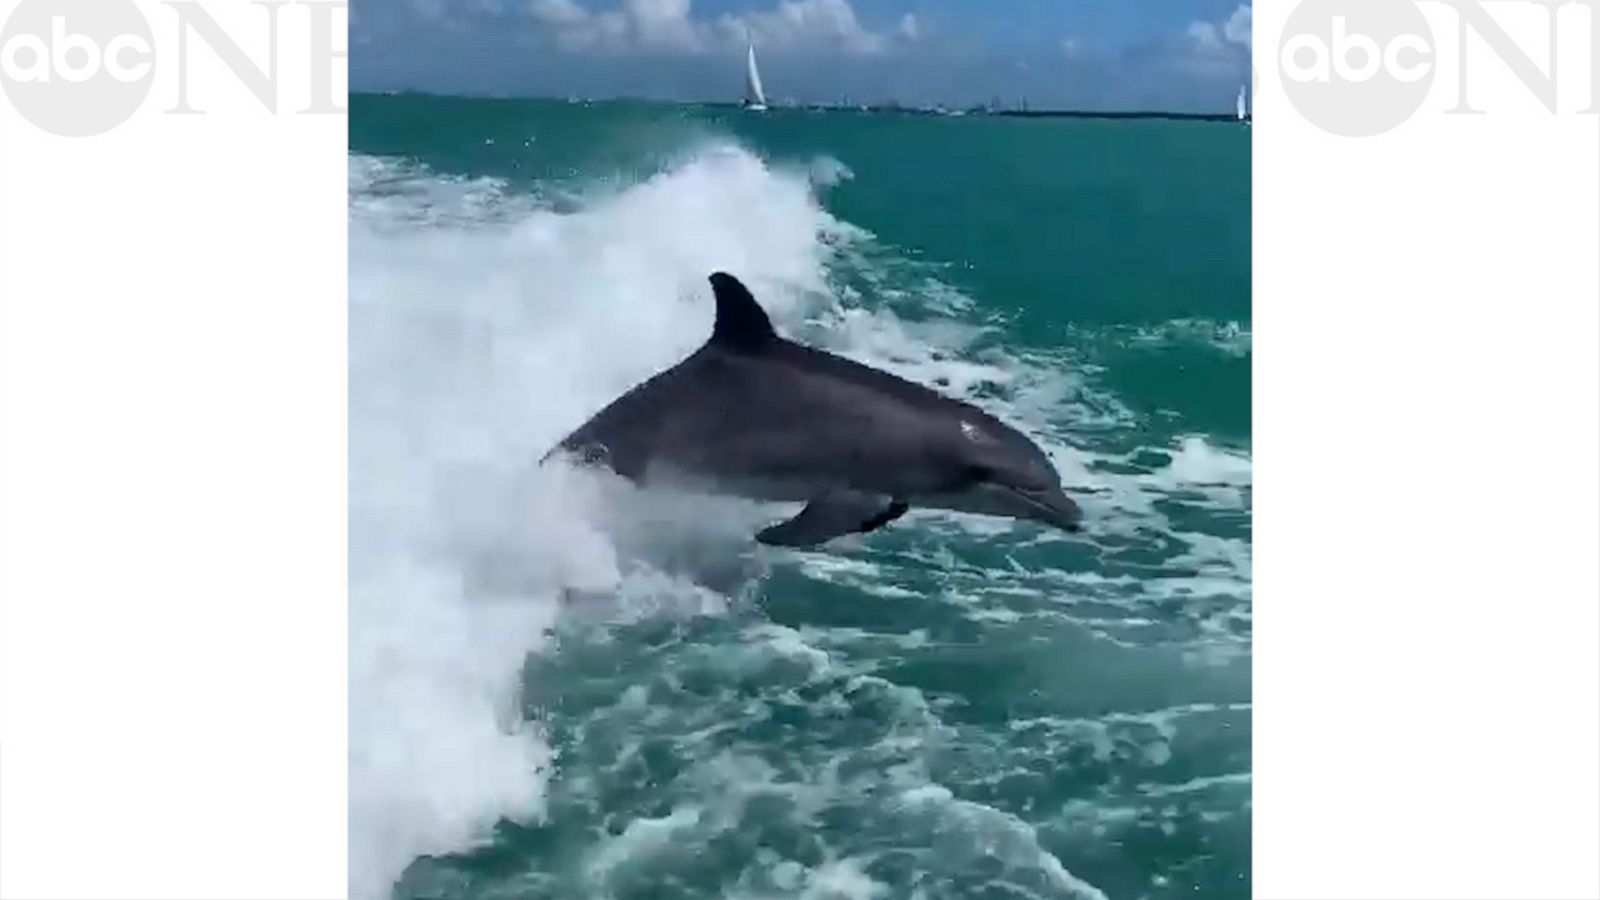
(486, 322)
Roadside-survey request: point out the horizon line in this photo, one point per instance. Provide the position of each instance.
(888, 106)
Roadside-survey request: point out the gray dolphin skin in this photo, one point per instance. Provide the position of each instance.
(754, 415)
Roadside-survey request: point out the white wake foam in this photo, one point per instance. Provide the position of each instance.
(483, 327)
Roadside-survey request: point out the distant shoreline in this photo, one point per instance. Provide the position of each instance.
(1081, 114)
(1010, 113)
(878, 109)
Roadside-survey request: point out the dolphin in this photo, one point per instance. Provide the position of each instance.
(753, 415)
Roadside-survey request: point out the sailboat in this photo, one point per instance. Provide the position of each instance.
(754, 98)
(1241, 109)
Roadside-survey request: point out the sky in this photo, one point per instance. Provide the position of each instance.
(1176, 55)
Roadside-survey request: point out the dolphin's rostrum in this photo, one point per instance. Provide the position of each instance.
(754, 415)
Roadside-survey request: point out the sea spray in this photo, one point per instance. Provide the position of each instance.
(490, 314)
(483, 326)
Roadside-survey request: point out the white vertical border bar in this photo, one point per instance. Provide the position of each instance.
(1427, 461)
(172, 487)
(172, 500)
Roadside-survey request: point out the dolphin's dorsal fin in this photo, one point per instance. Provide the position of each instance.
(741, 322)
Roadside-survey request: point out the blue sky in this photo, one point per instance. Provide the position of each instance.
(1090, 54)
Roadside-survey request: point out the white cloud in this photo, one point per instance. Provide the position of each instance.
(801, 23)
(638, 23)
(1206, 36)
(670, 26)
(1218, 38)
(910, 28)
(1216, 50)
(455, 15)
(433, 10)
(456, 11)
(1238, 27)
(557, 13)
(664, 24)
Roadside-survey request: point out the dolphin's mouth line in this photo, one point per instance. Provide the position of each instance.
(1067, 517)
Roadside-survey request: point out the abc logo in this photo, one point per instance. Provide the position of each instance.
(1357, 67)
(1307, 58)
(73, 56)
(76, 67)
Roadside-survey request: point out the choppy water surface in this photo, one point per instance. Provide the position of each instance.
(563, 689)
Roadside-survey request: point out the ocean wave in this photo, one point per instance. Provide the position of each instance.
(475, 316)
(487, 321)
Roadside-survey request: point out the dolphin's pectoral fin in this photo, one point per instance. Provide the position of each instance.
(894, 510)
(831, 515)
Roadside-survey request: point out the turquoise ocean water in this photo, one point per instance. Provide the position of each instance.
(564, 689)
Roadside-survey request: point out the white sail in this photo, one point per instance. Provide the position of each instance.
(754, 96)
(1240, 108)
